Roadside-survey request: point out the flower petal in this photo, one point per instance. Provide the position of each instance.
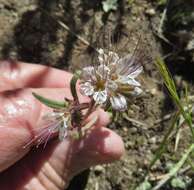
(129, 66)
(100, 96)
(123, 64)
(136, 72)
(118, 103)
(128, 80)
(87, 89)
(100, 51)
(88, 73)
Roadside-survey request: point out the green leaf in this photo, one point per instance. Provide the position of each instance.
(50, 103)
(144, 186)
(178, 182)
(130, 2)
(162, 2)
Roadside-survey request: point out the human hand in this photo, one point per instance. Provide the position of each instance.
(52, 167)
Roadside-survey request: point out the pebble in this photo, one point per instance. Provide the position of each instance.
(1, 6)
(125, 129)
(152, 140)
(133, 130)
(98, 170)
(129, 145)
(150, 12)
(153, 91)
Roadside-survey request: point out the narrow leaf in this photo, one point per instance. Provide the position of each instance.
(50, 103)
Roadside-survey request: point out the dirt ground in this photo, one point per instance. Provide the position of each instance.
(30, 32)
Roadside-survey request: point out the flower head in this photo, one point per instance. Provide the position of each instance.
(113, 79)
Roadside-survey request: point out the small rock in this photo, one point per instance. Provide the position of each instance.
(133, 130)
(150, 12)
(1, 6)
(152, 140)
(98, 170)
(129, 145)
(146, 162)
(153, 91)
(125, 129)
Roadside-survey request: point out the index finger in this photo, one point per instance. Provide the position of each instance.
(15, 75)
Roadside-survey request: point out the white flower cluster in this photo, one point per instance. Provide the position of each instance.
(113, 79)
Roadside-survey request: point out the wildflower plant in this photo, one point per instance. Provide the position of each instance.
(110, 84)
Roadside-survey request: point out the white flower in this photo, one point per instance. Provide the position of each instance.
(94, 83)
(112, 80)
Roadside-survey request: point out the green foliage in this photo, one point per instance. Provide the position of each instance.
(130, 2)
(178, 182)
(73, 85)
(109, 5)
(144, 186)
(161, 2)
(50, 103)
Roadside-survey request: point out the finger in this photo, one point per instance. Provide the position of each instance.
(18, 75)
(101, 146)
(103, 118)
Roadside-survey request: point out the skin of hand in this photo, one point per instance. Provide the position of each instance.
(52, 167)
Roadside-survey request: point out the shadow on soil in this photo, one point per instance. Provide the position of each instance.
(36, 35)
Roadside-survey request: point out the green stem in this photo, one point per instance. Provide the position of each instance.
(73, 86)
